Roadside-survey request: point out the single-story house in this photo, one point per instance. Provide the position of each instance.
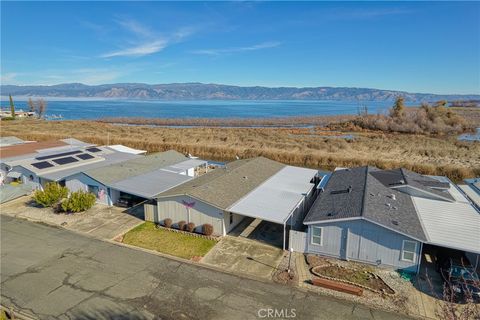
(258, 188)
(137, 179)
(384, 217)
(59, 165)
(22, 162)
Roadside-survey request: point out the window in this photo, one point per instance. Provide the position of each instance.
(409, 249)
(93, 189)
(231, 218)
(317, 233)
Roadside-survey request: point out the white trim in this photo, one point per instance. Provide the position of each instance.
(312, 236)
(403, 251)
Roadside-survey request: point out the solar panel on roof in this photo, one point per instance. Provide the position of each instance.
(85, 156)
(42, 165)
(58, 155)
(65, 160)
(93, 149)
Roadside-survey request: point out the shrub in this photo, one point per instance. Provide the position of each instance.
(79, 201)
(167, 223)
(181, 225)
(190, 227)
(207, 229)
(50, 195)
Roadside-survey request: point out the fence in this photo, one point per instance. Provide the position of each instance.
(150, 212)
(298, 241)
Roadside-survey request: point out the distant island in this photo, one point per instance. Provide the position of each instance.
(201, 91)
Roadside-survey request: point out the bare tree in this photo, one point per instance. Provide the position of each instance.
(41, 107)
(31, 105)
(450, 308)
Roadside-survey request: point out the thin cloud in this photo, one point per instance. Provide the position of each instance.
(260, 46)
(147, 41)
(138, 51)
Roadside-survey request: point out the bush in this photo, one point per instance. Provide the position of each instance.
(190, 227)
(79, 201)
(207, 229)
(181, 225)
(50, 195)
(167, 223)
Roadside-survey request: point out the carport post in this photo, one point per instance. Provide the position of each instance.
(284, 235)
(420, 258)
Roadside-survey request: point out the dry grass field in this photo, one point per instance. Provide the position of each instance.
(316, 148)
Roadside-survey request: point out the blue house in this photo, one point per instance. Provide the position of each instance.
(384, 217)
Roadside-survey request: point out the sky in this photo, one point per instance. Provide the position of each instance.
(431, 47)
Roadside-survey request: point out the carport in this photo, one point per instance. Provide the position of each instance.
(150, 184)
(283, 199)
(450, 225)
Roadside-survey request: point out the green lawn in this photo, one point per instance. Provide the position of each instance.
(177, 244)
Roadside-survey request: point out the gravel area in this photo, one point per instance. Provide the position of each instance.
(403, 301)
(281, 275)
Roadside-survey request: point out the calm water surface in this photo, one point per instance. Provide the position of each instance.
(96, 109)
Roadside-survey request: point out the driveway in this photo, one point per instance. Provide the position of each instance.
(54, 273)
(100, 221)
(240, 255)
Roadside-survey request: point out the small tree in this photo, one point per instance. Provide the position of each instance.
(398, 109)
(41, 107)
(31, 105)
(50, 195)
(79, 201)
(12, 107)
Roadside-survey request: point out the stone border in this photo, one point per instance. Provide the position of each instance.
(193, 234)
(353, 283)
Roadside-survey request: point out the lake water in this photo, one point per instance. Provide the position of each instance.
(96, 109)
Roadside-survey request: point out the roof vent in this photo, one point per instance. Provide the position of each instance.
(349, 189)
(245, 177)
(395, 222)
(392, 196)
(331, 214)
(388, 205)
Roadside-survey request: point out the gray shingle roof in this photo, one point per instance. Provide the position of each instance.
(364, 192)
(225, 186)
(127, 169)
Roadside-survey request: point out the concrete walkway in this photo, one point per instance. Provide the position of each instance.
(53, 273)
(100, 221)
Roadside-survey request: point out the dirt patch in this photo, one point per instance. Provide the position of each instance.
(282, 274)
(361, 277)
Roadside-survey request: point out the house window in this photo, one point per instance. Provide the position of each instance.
(93, 189)
(409, 249)
(317, 233)
(231, 218)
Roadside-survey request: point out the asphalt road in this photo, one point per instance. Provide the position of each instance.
(54, 273)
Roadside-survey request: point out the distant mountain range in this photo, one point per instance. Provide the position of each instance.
(200, 91)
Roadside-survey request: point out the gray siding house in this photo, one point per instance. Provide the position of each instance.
(258, 188)
(384, 217)
(361, 240)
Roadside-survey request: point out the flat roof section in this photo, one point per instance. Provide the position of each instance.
(277, 197)
(454, 225)
(471, 193)
(28, 148)
(150, 184)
